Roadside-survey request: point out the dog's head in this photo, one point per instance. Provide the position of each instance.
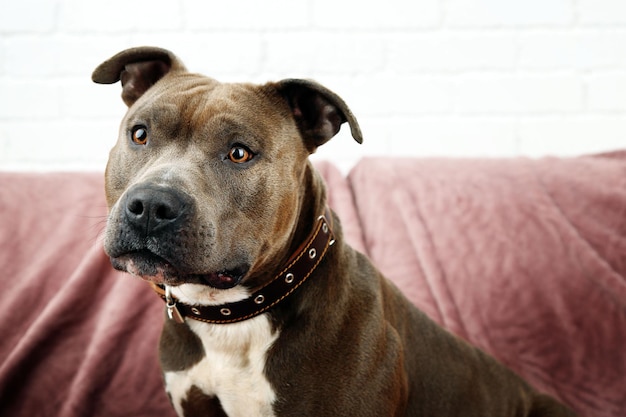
(207, 180)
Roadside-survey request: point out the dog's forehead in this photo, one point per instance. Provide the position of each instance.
(201, 94)
(191, 104)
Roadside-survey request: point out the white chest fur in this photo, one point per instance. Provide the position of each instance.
(232, 369)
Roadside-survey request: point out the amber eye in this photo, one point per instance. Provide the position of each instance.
(139, 135)
(239, 154)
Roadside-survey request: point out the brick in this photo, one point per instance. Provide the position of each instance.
(323, 53)
(78, 56)
(119, 16)
(374, 15)
(396, 95)
(607, 91)
(246, 15)
(33, 16)
(507, 13)
(428, 77)
(518, 94)
(425, 136)
(30, 57)
(3, 61)
(222, 55)
(571, 135)
(58, 56)
(568, 49)
(28, 100)
(59, 145)
(454, 136)
(83, 99)
(453, 52)
(30, 142)
(63, 55)
(5, 158)
(602, 12)
(419, 95)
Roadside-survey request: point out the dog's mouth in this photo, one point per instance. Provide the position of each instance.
(156, 269)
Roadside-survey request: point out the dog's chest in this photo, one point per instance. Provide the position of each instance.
(231, 370)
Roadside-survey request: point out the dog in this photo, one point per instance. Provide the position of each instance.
(212, 200)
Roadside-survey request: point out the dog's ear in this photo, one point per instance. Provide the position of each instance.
(138, 69)
(319, 113)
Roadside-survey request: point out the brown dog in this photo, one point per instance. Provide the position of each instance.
(212, 199)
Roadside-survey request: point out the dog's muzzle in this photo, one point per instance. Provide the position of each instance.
(152, 239)
(150, 210)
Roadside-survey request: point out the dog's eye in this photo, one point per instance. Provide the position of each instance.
(240, 154)
(139, 135)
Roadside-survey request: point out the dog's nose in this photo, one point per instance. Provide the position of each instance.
(150, 209)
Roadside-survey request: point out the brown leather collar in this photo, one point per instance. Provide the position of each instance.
(296, 270)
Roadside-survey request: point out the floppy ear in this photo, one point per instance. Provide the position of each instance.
(319, 113)
(138, 69)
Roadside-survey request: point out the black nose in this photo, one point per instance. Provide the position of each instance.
(150, 209)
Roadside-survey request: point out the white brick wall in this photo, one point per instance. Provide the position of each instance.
(427, 77)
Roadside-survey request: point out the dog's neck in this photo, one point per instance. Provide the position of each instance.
(291, 275)
(312, 204)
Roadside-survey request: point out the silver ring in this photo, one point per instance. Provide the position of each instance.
(169, 300)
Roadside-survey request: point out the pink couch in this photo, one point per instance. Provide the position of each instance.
(524, 258)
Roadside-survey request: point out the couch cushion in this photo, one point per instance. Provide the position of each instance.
(524, 258)
(78, 338)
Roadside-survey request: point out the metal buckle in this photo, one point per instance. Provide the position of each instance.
(172, 311)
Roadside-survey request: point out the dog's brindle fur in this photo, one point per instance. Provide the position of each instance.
(216, 228)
